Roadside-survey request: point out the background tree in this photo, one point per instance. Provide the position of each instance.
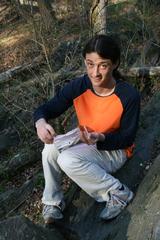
(98, 16)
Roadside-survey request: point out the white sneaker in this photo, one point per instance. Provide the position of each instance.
(51, 213)
(119, 199)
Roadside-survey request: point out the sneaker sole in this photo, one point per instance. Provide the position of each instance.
(51, 220)
(130, 197)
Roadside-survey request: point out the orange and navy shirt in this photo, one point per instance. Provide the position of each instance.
(115, 115)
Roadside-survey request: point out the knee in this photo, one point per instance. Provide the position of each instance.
(65, 161)
(49, 152)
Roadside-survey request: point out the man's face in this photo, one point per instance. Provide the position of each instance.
(99, 70)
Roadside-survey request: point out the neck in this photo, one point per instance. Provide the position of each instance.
(106, 90)
(104, 94)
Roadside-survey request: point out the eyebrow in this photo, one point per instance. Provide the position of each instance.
(105, 61)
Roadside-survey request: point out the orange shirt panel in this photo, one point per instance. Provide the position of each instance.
(100, 114)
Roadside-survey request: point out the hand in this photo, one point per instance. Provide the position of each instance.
(91, 137)
(45, 131)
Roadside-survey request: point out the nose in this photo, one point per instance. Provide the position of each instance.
(96, 70)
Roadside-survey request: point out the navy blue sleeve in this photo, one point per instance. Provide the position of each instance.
(125, 135)
(62, 100)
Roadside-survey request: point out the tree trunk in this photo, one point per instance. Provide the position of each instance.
(98, 16)
(103, 16)
(143, 72)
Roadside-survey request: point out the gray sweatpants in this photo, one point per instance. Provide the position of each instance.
(87, 166)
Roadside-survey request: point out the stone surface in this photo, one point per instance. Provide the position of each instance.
(18, 162)
(156, 231)
(82, 214)
(145, 210)
(20, 228)
(14, 197)
(8, 140)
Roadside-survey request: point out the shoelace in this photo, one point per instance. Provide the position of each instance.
(114, 200)
(119, 200)
(49, 209)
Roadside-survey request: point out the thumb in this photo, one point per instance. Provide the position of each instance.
(50, 129)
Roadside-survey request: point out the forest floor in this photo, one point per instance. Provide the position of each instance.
(16, 46)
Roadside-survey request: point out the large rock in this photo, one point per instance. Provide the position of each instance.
(82, 214)
(3, 117)
(19, 161)
(8, 140)
(145, 210)
(13, 198)
(8, 136)
(21, 228)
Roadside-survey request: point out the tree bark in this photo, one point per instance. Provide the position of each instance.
(10, 73)
(103, 16)
(142, 72)
(98, 16)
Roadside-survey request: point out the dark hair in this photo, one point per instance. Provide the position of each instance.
(107, 48)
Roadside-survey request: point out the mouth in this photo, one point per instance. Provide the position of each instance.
(97, 79)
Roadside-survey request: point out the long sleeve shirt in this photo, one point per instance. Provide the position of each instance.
(116, 115)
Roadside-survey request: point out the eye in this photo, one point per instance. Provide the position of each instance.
(103, 66)
(90, 65)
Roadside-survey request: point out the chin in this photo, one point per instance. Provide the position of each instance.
(97, 83)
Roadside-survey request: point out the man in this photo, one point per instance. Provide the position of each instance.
(107, 109)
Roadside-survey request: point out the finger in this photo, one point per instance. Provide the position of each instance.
(84, 137)
(94, 136)
(46, 139)
(50, 129)
(45, 136)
